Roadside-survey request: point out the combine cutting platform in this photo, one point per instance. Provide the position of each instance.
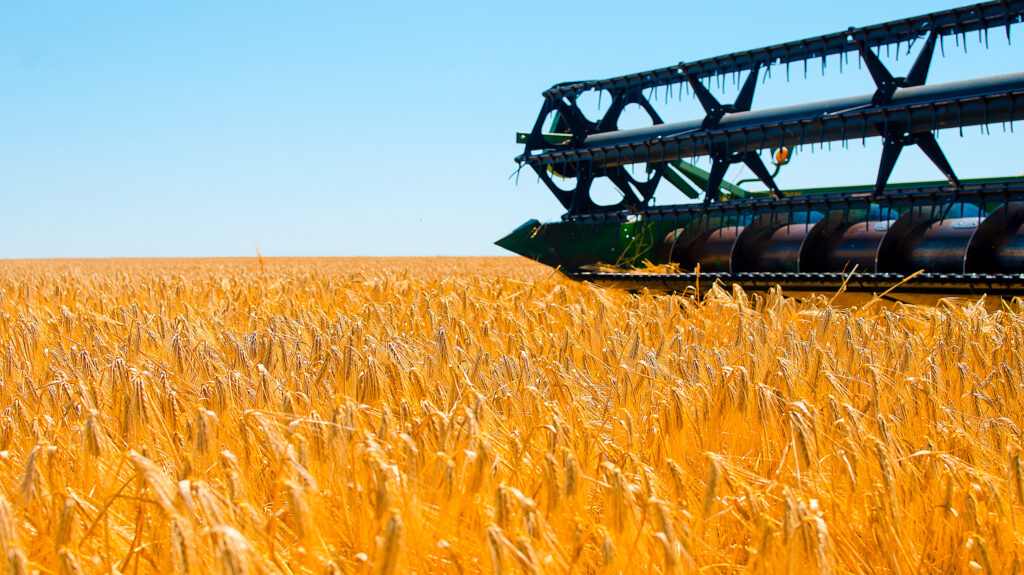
(948, 237)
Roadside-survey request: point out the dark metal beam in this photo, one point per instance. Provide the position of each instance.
(914, 110)
(953, 22)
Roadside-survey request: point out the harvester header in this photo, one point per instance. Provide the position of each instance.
(949, 236)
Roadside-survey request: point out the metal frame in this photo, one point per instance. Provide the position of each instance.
(903, 111)
(998, 285)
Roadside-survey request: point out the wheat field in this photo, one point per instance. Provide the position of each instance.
(480, 415)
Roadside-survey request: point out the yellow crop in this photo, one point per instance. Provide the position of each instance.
(488, 416)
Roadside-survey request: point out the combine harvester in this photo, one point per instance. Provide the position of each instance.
(947, 237)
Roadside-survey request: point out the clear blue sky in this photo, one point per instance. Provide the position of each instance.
(343, 128)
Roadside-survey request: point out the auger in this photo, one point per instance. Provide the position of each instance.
(954, 236)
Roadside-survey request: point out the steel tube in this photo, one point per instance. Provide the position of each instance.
(914, 110)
